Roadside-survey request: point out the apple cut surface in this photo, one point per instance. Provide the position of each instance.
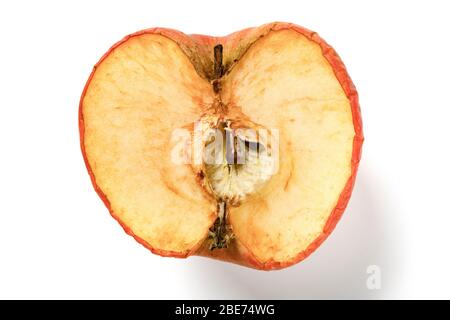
(283, 81)
(279, 77)
(143, 83)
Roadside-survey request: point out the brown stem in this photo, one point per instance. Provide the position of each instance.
(218, 56)
(218, 67)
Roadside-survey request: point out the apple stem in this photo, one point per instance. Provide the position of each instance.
(218, 67)
(218, 56)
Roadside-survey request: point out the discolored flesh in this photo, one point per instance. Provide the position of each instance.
(133, 103)
(284, 82)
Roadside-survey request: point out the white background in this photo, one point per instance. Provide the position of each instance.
(57, 239)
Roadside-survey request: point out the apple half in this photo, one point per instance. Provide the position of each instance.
(277, 77)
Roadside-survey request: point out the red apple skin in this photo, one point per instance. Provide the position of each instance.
(238, 253)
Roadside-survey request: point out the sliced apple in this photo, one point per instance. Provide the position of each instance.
(280, 79)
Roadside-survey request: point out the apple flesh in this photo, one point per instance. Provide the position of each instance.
(277, 76)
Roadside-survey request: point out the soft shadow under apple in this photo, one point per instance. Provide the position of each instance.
(337, 270)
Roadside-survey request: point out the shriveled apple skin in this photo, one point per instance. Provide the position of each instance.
(198, 49)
